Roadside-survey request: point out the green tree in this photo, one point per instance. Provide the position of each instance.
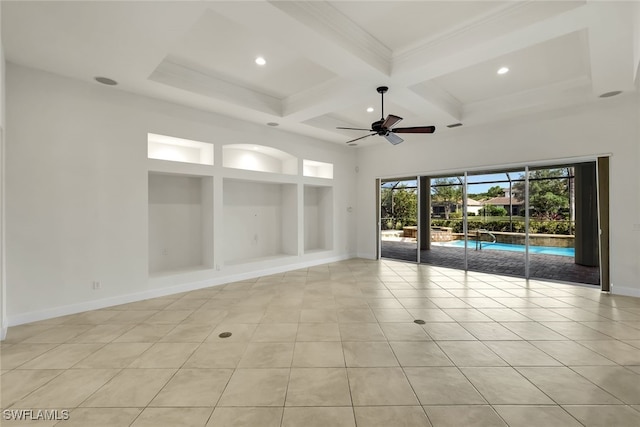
(548, 193)
(446, 191)
(405, 209)
(386, 205)
(399, 205)
(495, 191)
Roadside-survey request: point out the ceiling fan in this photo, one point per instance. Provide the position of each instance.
(383, 127)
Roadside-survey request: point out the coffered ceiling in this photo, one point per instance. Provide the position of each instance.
(324, 59)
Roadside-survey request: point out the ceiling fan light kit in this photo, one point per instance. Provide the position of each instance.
(384, 127)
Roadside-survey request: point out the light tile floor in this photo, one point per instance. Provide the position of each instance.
(336, 345)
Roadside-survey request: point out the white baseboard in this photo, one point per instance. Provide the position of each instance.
(367, 255)
(35, 316)
(3, 333)
(626, 291)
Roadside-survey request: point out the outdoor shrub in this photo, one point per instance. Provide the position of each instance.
(491, 210)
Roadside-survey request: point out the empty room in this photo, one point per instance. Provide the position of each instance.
(320, 213)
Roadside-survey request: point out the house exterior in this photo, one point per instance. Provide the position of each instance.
(438, 209)
(510, 204)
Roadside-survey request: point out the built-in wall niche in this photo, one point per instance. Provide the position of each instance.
(164, 147)
(259, 158)
(318, 218)
(316, 169)
(260, 220)
(180, 223)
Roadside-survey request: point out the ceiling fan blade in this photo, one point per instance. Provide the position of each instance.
(390, 121)
(362, 137)
(340, 127)
(393, 138)
(415, 129)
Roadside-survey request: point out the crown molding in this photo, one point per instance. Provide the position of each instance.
(331, 23)
(488, 19)
(173, 73)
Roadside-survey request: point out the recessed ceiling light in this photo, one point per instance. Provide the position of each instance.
(370, 110)
(260, 60)
(503, 70)
(106, 81)
(273, 124)
(610, 94)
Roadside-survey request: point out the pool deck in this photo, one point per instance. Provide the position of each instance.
(542, 266)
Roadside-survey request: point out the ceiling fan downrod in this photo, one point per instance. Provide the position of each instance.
(382, 90)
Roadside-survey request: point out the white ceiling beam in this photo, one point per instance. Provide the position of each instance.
(436, 98)
(197, 81)
(326, 37)
(329, 96)
(329, 22)
(287, 24)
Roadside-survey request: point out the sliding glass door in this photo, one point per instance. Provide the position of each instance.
(443, 243)
(546, 222)
(563, 225)
(399, 219)
(495, 215)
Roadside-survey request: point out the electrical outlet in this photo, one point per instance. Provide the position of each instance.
(96, 285)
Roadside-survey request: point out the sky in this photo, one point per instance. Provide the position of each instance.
(479, 183)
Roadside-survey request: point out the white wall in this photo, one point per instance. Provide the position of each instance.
(318, 208)
(175, 222)
(606, 126)
(3, 312)
(77, 191)
(253, 215)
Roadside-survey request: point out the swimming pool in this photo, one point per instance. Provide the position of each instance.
(545, 250)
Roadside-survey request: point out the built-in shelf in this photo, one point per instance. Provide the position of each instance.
(261, 195)
(259, 158)
(318, 218)
(312, 168)
(162, 147)
(260, 220)
(180, 223)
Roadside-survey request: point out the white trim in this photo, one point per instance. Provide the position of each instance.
(423, 48)
(35, 316)
(489, 168)
(625, 291)
(332, 23)
(367, 255)
(4, 322)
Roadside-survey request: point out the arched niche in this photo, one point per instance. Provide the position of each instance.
(259, 158)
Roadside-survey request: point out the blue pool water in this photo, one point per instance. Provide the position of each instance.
(547, 250)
